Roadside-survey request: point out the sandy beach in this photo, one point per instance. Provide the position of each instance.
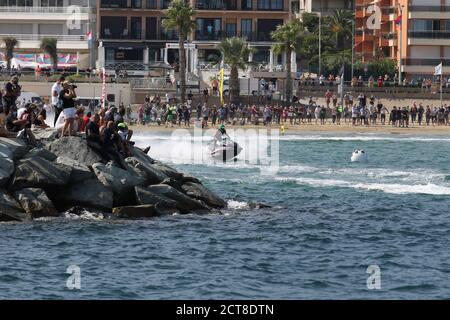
(313, 128)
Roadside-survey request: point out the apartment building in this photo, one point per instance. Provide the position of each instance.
(29, 21)
(131, 35)
(415, 33)
(325, 7)
(375, 42)
(424, 36)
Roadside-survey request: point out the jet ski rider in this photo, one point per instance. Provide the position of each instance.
(221, 135)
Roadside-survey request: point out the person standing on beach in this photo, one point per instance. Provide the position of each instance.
(328, 96)
(383, 112)
(428, 115)
(420, 113)
(56, 89)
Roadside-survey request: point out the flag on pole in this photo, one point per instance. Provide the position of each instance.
(103, 88)
(398, 21)
(221, 77)
(438, 70)
(89, 35)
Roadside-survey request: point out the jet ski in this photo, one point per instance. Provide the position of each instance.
(359, 156)
(225, 151)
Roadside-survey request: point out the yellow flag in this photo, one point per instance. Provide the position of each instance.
(221, 76)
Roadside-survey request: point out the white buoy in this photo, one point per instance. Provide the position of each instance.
(359, 156)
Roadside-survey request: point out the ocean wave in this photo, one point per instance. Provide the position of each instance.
(237, 205)
(290, 137)
(85, 215)
(394, 188)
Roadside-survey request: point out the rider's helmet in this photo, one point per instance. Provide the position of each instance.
(222, 127)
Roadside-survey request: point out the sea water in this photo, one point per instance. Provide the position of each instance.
(329, 221)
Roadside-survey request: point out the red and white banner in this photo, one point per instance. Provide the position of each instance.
(103, 88)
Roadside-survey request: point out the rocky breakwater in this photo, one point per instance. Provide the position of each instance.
(66, 173)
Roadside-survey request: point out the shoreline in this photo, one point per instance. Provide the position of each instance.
(311, 128)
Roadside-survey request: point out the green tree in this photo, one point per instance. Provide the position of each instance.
(10, 43)
(49, 46)
(341, 25)
(235, 52)
(288, 39)
(180, 17)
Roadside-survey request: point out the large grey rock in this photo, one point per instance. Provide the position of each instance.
(80, 172)
(167, 170)
(14, 149)
(120, 181)
(184, 203)
(198, 191)
(136, 212)
(45, 135)
(6, 170)
(89, 193)
(141, 156)
(145, 169)
(74, 148)
(35, 202)
(39, 173)
(41, 153)
(144, 196)
(10, 209)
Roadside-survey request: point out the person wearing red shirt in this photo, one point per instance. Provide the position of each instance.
(86, 119)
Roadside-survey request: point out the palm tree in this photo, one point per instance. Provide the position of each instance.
(341, 24)
(10, 43)
(235, 52)
(49, 46)
(288, 37)
(179, 17)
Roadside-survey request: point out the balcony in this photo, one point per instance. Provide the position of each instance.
(216, 5)
(429, 9)
(38, 37)
(125, 35)
(44, 10)
(32, 41)
(429, 38)
(429, 12)
(424, 66)
(44, 13)
(209, 36)
(425, 62)
(430, 34)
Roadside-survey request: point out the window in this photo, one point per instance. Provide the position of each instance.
(136, 4)
(270, 4)
(425, 25)
(113, 3)
(150, 28)
(136, 28)
(165, 4)
(150, 4)
(16, 3)
(246, 4)
(51, 3)
(208, 29)
(230, 29)
(246, 28)
(265, 27)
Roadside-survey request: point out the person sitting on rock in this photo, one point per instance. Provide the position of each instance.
(111, 145)
(19, 126)
(120, 118)
(39, 119)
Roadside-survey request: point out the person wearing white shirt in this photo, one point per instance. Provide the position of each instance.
(56, 89)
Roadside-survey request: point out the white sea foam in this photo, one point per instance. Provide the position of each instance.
(237, 205)
(395, 188)
(86, 215)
